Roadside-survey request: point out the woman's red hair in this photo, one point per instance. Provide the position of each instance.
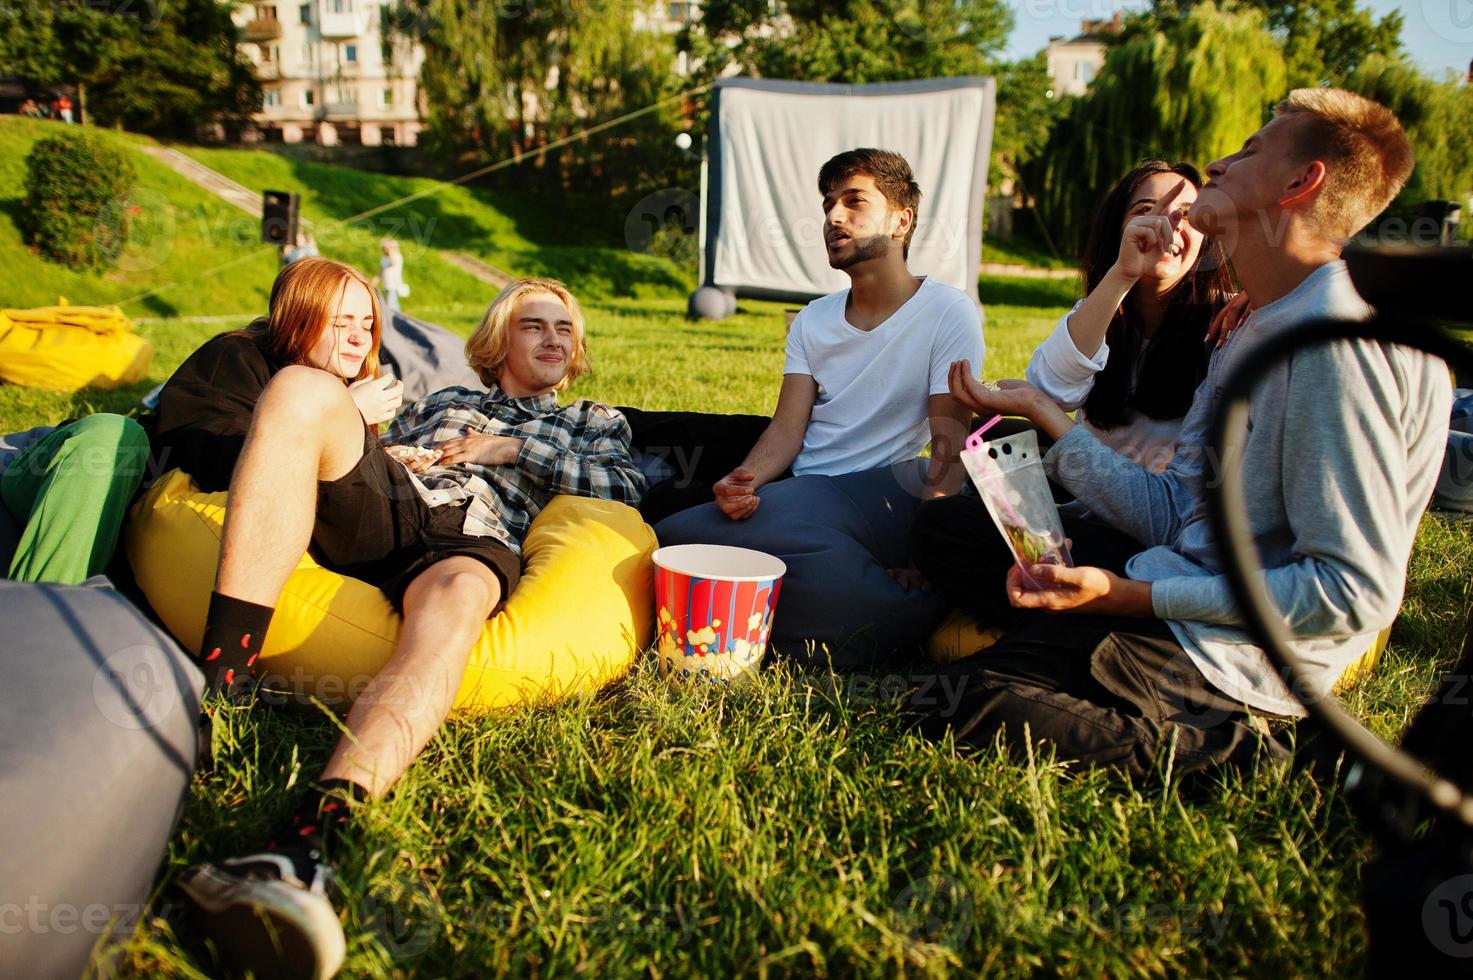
(305, 297)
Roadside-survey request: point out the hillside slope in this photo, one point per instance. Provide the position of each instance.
(192, 254)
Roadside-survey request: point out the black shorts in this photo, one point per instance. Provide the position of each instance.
(373, 525)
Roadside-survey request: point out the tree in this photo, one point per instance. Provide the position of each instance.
(1186, 89)
(1323, 41)
(167, 67)
(851, 41)
(501, 80)
(1026, 115)
(1435, 115)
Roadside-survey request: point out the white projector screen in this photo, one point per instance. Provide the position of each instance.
(764, 219)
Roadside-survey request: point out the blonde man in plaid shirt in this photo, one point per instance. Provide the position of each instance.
(443, 542)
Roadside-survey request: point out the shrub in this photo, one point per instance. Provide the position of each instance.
(75, 209)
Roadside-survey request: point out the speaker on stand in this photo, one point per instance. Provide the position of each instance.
(279, 217)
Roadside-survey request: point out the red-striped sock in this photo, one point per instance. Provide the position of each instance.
(310, 832)
(235, 631)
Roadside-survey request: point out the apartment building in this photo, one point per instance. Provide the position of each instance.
(1074, 62)
(330, 73)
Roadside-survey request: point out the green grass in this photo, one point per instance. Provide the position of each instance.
(493, 227)
(796, 828)
(1020, 251)
(191, 254)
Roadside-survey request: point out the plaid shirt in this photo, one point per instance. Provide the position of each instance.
(582, 449)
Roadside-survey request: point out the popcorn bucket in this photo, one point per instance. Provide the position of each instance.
(714, 607)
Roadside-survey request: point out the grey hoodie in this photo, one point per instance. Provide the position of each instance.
(1340, 456)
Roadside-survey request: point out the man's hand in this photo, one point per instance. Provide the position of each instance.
(486, 450)
(735, 494)
(378, 399)
(1228, 319)
(1084, 589)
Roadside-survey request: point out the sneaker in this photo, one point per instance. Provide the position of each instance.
(263, 918)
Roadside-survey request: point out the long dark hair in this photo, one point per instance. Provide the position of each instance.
(1176, 360)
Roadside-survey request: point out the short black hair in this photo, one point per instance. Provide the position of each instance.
(890, 173)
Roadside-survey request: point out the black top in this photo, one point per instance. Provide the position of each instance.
(205, 409)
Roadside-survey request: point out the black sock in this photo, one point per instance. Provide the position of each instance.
(310, 833)
(235, 631)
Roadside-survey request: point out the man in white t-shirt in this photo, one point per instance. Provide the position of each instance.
(864, 390)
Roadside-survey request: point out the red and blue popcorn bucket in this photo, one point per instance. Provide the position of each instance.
(713, 609)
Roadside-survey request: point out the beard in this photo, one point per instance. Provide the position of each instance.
(863, 249)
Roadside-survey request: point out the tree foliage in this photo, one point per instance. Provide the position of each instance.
(504, 79)
(1186, 89)
(75, 208)
(166, 67)
(851, 41)
(1436, 116)
(1323, 41)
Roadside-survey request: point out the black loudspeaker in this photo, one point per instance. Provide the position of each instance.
(279, 217)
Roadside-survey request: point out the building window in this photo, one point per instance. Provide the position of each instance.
(265, 12)
(1083, 72)
(341, 6)
(309, 98)
(271, 98)
(350, 53)
(386, 135)
(385, 98)
(309, 53)
(305, 10)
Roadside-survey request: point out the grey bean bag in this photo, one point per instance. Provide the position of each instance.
(99, 711)
(425, 356)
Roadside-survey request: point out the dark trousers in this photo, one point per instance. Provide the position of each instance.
(1106, 691)
(1099, 691)
(701, 447)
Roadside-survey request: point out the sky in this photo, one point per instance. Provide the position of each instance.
(1437, 34)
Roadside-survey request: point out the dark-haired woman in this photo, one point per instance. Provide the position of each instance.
(1129, 357)
(1131, 353)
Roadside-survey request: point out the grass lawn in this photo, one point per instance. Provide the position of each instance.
(794, 828)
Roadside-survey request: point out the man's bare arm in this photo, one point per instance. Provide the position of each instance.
(736, 493)
(949, 418)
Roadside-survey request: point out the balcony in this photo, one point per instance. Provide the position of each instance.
(342, 110)
(342, 26)
(268, 70)
(263, 29)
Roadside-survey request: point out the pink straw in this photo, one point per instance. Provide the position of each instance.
(974, 441)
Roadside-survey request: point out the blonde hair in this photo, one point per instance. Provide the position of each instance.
(1365, 151)
(485, 351)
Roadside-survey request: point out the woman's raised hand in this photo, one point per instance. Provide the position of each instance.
(378, 399)
(1147, 237)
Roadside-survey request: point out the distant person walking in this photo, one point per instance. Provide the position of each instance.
(304, 247)
(390, 278)
(31, 108)
(63, 109)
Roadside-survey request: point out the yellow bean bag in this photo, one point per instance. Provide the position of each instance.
(960, 636)
(579, 618)
(65, 348)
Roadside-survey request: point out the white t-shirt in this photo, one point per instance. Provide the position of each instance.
(1061, 371)
(874, 386)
